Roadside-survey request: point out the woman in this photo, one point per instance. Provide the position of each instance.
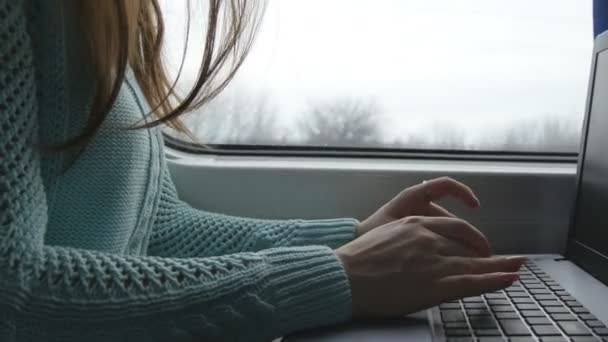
(96, 246)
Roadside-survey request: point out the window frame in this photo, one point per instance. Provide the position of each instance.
(358, 152)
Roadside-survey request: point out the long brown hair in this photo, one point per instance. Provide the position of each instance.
(122, 33)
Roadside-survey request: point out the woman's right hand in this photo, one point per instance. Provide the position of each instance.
(419, 262)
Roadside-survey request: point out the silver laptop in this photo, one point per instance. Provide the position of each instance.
(559, 298)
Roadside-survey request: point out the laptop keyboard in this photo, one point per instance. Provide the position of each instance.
(534, 309)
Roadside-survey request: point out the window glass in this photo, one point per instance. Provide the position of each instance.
(489, 75)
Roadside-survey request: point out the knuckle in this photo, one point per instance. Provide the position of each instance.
(412, 220)
(446, 179)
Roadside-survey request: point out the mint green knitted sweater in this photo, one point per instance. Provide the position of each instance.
(106, 251)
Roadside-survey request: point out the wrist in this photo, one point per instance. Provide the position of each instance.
(358, 229)
(346, 260)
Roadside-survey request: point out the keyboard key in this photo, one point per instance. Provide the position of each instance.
(523, 300)
(601, 331)
(513, 327)
(473, 300)
(563, 317)
(557, 309)
(553, 339)
(487, 332)
(484, 325)
(535, 286)
(522, 339)
(449, 306)
(538, 321)
(550, 303)
(567, 298)
(546, 330)
(490, 339)
(588, 317)
(545, 297)
(474, 305)
(478, 322)
(456, 325)
(532, 313)
(531, 281)
(580, 310)
(460, 339)
(495, 296)
(503, 308)
(452, 316)
(527, 306)
(540, 291)
(514, 287)
(518, 294)
(596, 324)
(556, 288)
(573, 303)
(478, 312)
(574, 328)
(507, 315)
(584, 339)
(457, 332)
(562, 293)
(493, 302)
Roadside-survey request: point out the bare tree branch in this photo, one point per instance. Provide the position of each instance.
(237, 118)
(341, 122)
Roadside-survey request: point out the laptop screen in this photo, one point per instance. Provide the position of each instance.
(589, 237)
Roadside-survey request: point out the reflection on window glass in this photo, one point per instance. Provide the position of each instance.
(489, 75)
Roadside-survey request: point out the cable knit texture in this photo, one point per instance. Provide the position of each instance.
(105, 251)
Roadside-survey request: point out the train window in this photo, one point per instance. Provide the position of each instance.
(443, 75)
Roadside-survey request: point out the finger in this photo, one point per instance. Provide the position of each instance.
(456, 266)
(459, 230)
(450, 248)
(439, 188)
(457, 287)
(437, 210)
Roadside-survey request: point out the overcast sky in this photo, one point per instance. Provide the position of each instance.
(473, 64)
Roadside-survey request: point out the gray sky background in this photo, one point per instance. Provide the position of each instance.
(474, 65)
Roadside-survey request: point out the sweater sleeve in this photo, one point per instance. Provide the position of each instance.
(61, 294)
(182, 231)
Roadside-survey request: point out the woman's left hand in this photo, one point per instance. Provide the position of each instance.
(418, 201)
